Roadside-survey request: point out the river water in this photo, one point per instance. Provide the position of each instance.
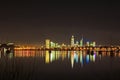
(62, 65)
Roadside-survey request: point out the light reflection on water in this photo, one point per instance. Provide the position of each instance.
(79, 57)
(30, 64)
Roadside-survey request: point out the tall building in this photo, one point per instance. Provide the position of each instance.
(81, 42)
(47, 43)
(77, 43)
(52, 44)
(87, 43)
(94, 44)
(72, 41)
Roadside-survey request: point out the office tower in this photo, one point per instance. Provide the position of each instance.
(87, 43)
(47, 43)
(81, 42)
(91, 43)
(72, 41)
(77, 43)
(52, 44)
(94, 44)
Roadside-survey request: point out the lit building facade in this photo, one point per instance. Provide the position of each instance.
(77, 43)
(87, 43)
(72, 41)
(47, 43)
(52, 44)
(81, 42)
(94, 44)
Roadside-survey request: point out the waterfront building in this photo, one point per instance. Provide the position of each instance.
(94, 43)
(81, 42)
(87, 43)
(47, 43)
(77, 43)
(52, 45)
(72, 41)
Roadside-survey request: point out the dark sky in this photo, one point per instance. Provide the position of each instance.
(33, 22)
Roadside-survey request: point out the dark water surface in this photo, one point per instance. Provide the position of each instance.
(62, 65)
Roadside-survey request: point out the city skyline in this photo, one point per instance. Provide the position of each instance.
(34, 22)
(72, 41)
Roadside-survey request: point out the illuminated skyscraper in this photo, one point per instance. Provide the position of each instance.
(77, 43)
(52, 44)
(94, 44)
(72, 59)
(81, 42)
(47, 43)
(72, 41)
(81, 58)
(87, 43)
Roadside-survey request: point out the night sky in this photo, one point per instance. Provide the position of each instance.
(33, 22)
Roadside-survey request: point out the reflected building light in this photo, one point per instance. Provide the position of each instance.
(87, 58)
(0, 54)
(47, 57)
(94, 57)
(91, 58)
(63, 55)
(107, 54)
(11, 55)
(81, 59)
(5, 50)
(84, 54)
(52, 56)
(68, 54)
(76, 58)
(97, 53)
(33, 54)
(42, 54)
(18, 54)
(72, 59)
(100, 57)
(57, 54)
